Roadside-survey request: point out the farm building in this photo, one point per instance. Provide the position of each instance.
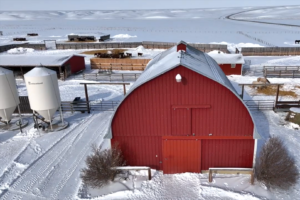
(229, 63)
(63, 65)
(183, 115)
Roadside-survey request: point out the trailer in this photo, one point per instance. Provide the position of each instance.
(104, 37)
(81, 38)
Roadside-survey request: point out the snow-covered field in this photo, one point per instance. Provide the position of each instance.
(37, 165)
(191, 25)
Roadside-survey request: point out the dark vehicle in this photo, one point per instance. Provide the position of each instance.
(81, 38)
(32, 34)
(104, 37)
(297, 41)
(19, 39)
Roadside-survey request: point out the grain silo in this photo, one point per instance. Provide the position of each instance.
(9, 102)
(9, 95)
(43, 92)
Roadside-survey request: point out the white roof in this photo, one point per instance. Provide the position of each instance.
(222, 58)
(39, 71)
(33, 60)
(192, 59)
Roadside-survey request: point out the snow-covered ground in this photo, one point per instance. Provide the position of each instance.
(37, 165)
(283, 14)
(190, 25)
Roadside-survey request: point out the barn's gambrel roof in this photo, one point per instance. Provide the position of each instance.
(192, 59)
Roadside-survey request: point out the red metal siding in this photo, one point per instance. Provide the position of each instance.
(231, 71)
(141, 151)
(227, 153)
(180, 121)
(147, 113)
(181, 47)
(147, 110)
(77, 63)
(181, 156)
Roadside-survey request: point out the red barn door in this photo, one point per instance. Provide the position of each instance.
(181, 156)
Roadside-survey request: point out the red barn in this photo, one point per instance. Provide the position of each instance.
(229, 63)
(64, 65)
(183, 115)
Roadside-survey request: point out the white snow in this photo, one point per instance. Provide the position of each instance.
(295, 110)
(232, 46)
(20, 50)
(124, 36)
(227, 58)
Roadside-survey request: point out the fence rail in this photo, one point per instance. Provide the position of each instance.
(108, 76)
(82, 106)
(282, 71)
(260, 104)
(270, 51)
(71, 106)
(105, 45)
(119, 64)
(287, 104)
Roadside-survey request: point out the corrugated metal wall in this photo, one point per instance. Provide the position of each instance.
(227, 153)
(141, 151)
(148, 112)
(226, 68)
(77, 63)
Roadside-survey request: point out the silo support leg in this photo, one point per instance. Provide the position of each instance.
(20, 114)
(50, 120)
(61, 116)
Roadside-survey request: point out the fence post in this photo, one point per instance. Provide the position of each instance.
(72, 110)
(87, 98)
(149, 173)
(124, 88)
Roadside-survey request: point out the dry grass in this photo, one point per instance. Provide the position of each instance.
(293, 117)
(104, 51)
(272, 90)
(117, 51)
(297, 86)
(94, 51)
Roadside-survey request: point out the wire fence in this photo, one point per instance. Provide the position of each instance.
(107, 76)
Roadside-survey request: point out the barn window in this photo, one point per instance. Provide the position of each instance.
(232, 65)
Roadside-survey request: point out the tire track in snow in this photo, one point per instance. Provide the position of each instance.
(45, 160)
(96, 135)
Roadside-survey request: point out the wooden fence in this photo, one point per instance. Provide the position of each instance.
(106, 45)
(282, 71)
(119, 63)
(270, 51)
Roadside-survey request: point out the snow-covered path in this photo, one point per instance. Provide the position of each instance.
(54, 173)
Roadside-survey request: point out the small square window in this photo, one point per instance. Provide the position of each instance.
(232, 65)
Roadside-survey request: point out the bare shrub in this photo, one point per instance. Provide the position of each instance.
(276, 167)
(98, 172)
